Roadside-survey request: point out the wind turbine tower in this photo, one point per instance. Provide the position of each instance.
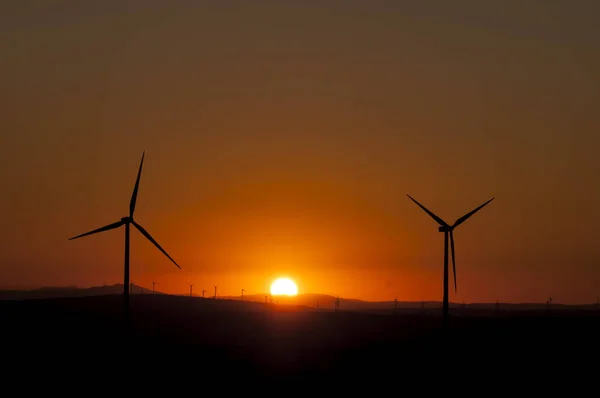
(448, 231)
(191, 286)
(215, 291)
(203, 293)
(153, 285)
(395, 304)
(127, 222)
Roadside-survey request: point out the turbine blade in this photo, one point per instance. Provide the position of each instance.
(151, 239)
(105, 228)
(436, 218)
(135, 188)
(453, 260)
(469, 214)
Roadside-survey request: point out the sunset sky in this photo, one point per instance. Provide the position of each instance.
(282, 137)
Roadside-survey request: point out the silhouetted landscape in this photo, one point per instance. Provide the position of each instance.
(290, 342)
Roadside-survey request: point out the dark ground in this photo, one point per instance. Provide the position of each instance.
(191, 340)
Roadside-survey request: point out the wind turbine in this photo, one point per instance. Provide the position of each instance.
(448, 230)
(203, 290)
(153, 284)
(215, 291)
(191, 285)
(242, 294)
(127, 221)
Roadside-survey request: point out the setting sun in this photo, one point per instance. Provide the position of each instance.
(284, 287)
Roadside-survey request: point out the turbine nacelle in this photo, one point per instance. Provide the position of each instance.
(449, 230)
(127, 220)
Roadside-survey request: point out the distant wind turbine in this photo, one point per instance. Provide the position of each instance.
(395, 304)
(215, 291)
(242, 294)
(153, 285)
(191, 285)
(203, 293)
(448, 230)
(127, 221)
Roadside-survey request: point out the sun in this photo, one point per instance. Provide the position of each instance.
(284, 287)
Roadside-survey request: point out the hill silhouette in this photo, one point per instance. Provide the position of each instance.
(308, 300)
(70, 291)
(252, 341)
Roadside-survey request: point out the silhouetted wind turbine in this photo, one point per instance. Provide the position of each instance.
(395, 304)
(127, 221)
(215, 291)
(448, 230)
(191, 285)
(242, 294)
(153, 284)
(203, 293)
